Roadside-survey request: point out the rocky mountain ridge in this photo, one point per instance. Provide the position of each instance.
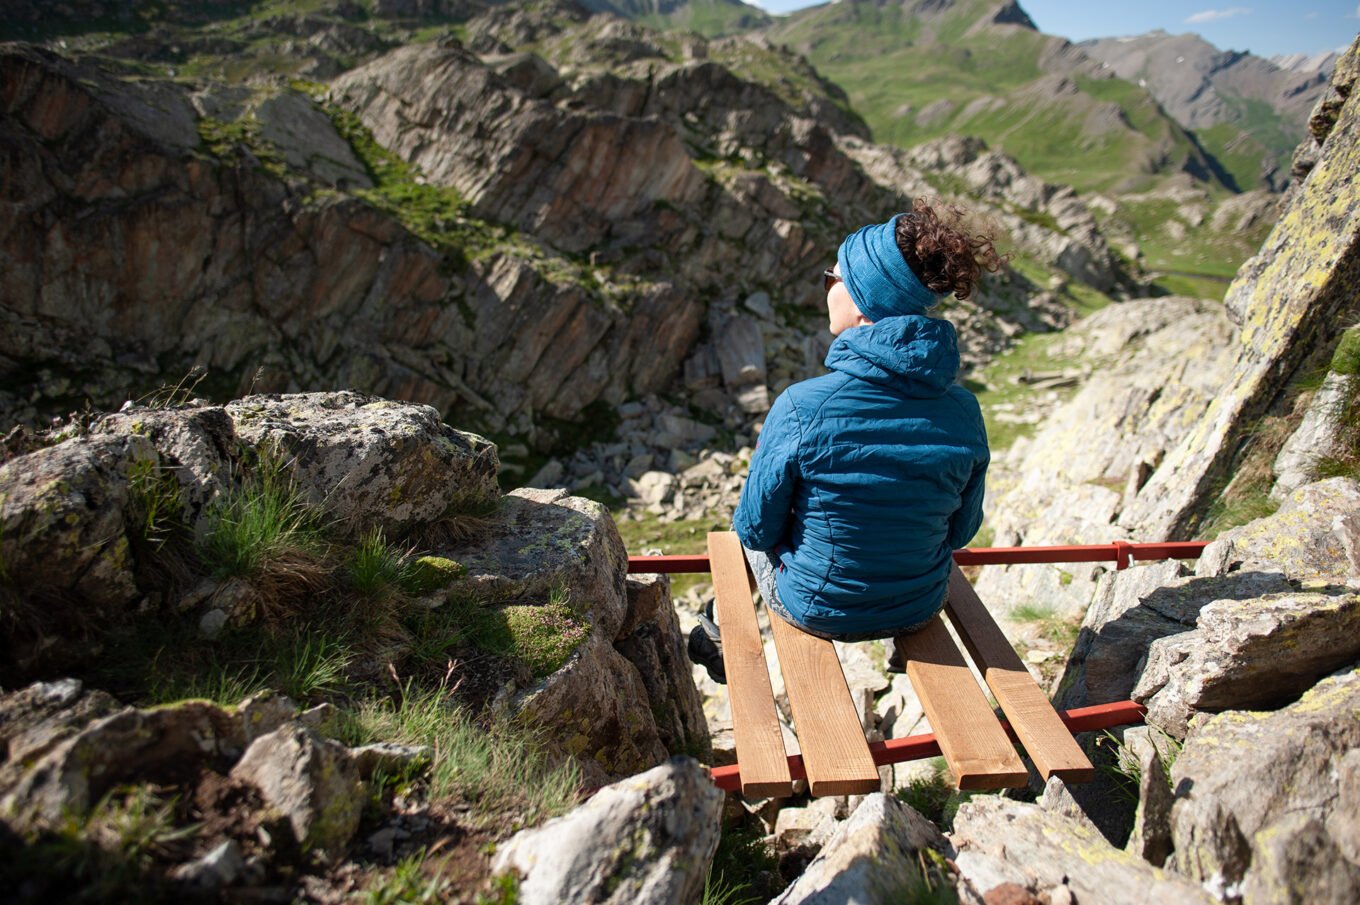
(1204, 87)
(632, 184)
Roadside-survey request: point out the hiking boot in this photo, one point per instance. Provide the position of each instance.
(705, 646)
(895, 664)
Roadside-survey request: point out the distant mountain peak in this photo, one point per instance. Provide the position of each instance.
(1010, 13)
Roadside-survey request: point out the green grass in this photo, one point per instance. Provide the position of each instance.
(500, 767)
(1123, 766)
(156, 508)
(410, 882)
(999, 386)
(888, 60)
(710, 18)
(102, 856)
(260, 523)
(1049, 623)
(743, 869)
(541, 636)
(928, 795)
(378, 570)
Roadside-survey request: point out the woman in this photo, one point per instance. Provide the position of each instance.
(867, 479)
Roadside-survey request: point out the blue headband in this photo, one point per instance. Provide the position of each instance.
(880, 282)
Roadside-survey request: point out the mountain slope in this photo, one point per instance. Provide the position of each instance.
(1247, 112)
(919, 69)
(711, 18)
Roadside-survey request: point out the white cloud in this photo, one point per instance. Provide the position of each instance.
(1213, 15)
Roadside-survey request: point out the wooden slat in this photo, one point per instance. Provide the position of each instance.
(835, 752)
(755, 724)
(1047, 741)
(971, 738)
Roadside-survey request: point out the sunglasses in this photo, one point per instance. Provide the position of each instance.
(829, 278)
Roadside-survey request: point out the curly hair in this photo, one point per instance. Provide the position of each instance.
(942, 251)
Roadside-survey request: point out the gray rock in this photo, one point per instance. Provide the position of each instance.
(536, 542)
(651, 640)
(550, 475)
(1260, 802)
(1134, 608)
(597, 710)
(390, 758)
(647, 839)
(1151, 836)
(307, 139)
(1300, 539)
(219, 867)
(264, 712)
(371, 462)
(63, 517)
(36, 719)
(67, 772)
(1318, 436)
(653, 487)
(872, 858)
(1248, 653)
(1056, 856)
(741, 351)
(310, 780)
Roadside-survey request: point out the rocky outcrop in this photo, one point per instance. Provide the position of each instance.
(66, 746)
(1290, 299)
(1266, 802)
(75, 516)
(646, 839)
(1048, 221)
(1008, 848)
(1155, 365)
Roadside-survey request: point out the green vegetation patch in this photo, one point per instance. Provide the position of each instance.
(105, 855)
(229, 140)
(261, 526)
(501, 766)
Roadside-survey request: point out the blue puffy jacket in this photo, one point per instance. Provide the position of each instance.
(866, 480)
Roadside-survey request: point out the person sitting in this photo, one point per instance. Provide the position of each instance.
(866, 479)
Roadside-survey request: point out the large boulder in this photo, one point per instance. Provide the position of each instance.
(596, 707)
(1302, 538)
(371, 462)
(66, 773)
(647, 839)
(1155, 364)
(1136, 607)
(1266, 802)
(63, 518)
(1010, 843)
(651, 640)
(1248, 654)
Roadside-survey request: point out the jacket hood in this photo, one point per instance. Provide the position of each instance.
(913, 355)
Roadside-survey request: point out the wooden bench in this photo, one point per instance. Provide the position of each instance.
(835, 754)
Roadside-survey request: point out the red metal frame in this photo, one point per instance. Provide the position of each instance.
(916, 747)
(892, 751)
(1121, 553)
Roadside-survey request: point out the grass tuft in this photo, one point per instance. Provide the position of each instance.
(375, 569)
(409, 883)
(260, 525)
(501, 766)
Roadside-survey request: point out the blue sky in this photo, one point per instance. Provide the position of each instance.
(1279, 26)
